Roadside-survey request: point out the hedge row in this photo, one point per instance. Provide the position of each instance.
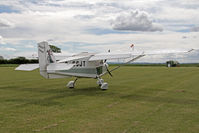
(19, 60)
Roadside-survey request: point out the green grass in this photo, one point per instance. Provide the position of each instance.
(139, 100)
(9, 65)
(157, 65)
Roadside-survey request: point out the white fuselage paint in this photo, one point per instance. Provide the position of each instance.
(82, 68)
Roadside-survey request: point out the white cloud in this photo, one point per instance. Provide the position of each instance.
(195, 29)
(5, 23)
(27, 54)
(29, 46)
(7, 49)
(66, 21)
(1, 40)
(135, 21)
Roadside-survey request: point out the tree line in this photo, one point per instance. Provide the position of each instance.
(18, 60)
(23, 60)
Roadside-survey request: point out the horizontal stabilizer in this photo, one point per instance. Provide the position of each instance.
(27, 67)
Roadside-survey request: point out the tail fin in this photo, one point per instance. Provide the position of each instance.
(45, 57)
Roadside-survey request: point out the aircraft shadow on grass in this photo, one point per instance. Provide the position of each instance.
(90, 91)
(54, 95)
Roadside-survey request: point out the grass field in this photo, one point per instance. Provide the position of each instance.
(139, 100)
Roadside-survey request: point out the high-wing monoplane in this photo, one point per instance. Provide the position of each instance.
(83, 65)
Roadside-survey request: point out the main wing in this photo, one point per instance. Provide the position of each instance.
(161, 52)
(112, 56)
(72, 58)
(131, 56)
(77, 57)
(109, 56)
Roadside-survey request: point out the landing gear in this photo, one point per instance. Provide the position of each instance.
(103, 85)
(71, 84)
(100, 81)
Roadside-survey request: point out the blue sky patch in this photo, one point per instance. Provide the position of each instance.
(7, 9)
(184, 30)
(98, 31)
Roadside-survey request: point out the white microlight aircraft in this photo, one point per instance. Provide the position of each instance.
(83, 65)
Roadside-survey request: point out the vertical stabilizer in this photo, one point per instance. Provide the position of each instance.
(45, 58)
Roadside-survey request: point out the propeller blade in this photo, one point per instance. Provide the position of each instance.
(108, 70)
(109, 73)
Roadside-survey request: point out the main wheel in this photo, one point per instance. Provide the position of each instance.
(70, 84)
(104, 86)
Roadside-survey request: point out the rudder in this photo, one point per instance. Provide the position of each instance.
(45, 57)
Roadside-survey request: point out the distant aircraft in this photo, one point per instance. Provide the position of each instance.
(83, 65)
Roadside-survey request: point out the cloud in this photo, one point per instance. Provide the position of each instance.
(5, 23)
(29, 46)
(1, 40)
(7, 49)
(135, 21)
(195, 29)
(88, 22)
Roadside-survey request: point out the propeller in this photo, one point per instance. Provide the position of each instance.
(106, 65)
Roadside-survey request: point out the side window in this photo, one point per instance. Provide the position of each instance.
(77, 63)
(84, 63)
(80, 64)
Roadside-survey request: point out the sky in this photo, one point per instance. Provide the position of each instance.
(99, 25)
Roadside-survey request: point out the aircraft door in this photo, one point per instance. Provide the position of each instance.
(99, 70)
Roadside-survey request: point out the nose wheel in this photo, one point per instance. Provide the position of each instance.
(103, 85)
(100, 82)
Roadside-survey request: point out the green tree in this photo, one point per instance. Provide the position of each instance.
(55, 49)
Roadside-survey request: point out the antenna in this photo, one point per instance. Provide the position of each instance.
(132, 47)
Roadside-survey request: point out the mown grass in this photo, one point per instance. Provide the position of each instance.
(139, 100)
(9, 65)
(157, 65)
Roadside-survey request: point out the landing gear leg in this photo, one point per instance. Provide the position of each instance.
(103, 85)
(100, 81)
(71, 84)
